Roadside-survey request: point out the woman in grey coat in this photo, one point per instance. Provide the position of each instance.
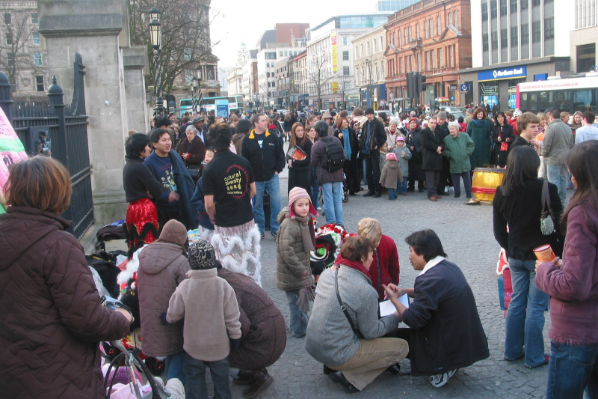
(350, 343)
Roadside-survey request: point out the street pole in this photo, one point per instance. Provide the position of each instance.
(155, 29)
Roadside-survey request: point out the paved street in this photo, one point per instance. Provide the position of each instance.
(466, 233)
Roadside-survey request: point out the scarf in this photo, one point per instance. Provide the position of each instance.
(354, 265)
(479, 122)
(347, 142)
(308, 235)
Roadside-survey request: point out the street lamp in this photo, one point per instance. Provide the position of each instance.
(196, 92)
(155, 29)
(369, 64)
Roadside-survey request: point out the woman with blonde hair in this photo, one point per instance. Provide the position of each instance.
(51, 317)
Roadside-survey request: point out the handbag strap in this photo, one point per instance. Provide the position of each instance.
(379, 272)
(546, 201)
(343, 307)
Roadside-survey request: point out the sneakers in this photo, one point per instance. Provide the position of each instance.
(440, 380)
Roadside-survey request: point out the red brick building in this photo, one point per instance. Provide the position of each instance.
(432, 37)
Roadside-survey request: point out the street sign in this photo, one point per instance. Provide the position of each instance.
(222, 108)
(465, 87)
(452, 87)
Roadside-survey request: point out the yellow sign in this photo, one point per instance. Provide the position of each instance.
(335, 87)
(334, 53)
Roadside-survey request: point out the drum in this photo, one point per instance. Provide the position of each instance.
(484, 183)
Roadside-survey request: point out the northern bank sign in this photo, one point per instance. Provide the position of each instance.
(499, 74)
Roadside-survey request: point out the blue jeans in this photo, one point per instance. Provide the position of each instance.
(196, 387)
(402, 187)
(392, 194)
(315, 189)
(174, 367)
(572, 369)
(299, 319)
(524, 327)
(273, 187)
(557, 175)
(333, 202)
(466, 182)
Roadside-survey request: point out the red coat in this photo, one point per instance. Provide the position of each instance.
(389, 265)
(513, 123)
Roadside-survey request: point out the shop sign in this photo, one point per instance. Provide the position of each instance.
(505, 73)
(465, 87)
(452, 87)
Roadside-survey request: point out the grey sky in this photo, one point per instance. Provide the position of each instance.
(244, 21)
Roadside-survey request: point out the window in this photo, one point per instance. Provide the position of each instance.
(345, 56)
(494, 38)
(361, 50)
(524, 33)
(524, 5)
(10, 59)
(427, 60)
(345, 71)
(456, 18)
(514, 38)
(400, 43)
(410, 34)
(8, 38)
(535, 3)
(536, 31)
(405, 37)
(187, 54)
(426, 29)
(39, 83)
(431, 25)
(367, 48)
(504, 41)
(270, 56)
(450, 18)
(439, 27)
(549, 28)
(37, 59)
(503, 7)
(7, 18)
(280, 53)
(35, 38)
(485, 42)
(381, 44)
(484, 11)
(374, 45)
(345, 40)
(188, 78)
(493, 9)
(440, 63)
(34, 20)
(513, 6)
(417, 35)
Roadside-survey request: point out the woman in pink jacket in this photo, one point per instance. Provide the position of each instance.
(573, 286)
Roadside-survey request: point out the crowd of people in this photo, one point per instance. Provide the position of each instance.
(221, 177)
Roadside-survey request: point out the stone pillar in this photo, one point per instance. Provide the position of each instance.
(135, 62)
(94, 29)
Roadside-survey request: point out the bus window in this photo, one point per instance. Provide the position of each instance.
(585, 100)
(532, 106)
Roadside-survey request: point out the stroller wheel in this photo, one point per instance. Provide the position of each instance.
(345, 197)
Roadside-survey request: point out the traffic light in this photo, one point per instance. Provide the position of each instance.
(421, 85)
(410, 88)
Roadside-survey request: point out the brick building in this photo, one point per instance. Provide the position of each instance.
(432, 37)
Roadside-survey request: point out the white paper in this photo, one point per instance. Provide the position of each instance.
(386, 307)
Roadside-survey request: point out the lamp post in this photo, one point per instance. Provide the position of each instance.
(196, 93)
(369, 64)
(155, 29)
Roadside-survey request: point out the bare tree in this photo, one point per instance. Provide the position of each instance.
(186, 41)
(319, 74)
(344, 83)
(14, 54)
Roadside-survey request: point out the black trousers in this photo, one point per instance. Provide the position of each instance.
(445, 176)
(372, 171)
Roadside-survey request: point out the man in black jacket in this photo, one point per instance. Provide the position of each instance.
(433, 144)
(264, 152)
(372, 138)
(445, 176)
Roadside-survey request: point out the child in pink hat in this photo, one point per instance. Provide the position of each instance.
(391, 175)
(294, 241)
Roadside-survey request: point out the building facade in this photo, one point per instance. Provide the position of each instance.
(393, 5)
(515, 41)
(299, 74)
(266, 67)
(330, 73)
(369, 67)
(432, 37)
(23, 55)
(584, 38)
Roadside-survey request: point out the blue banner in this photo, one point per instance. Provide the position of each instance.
(503, 73)
(222, 108)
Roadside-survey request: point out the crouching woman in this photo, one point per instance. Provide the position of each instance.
(350, 342)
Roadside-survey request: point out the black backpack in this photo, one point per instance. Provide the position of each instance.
(334, 156)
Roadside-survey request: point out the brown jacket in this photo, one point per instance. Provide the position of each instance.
(211, 313)
(195, 149)
(264, 334)
(51, 319)
(391, 174)
(162, 267)
(292, 261)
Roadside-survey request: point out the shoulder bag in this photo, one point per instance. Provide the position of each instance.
(547, 216)
(344, 308)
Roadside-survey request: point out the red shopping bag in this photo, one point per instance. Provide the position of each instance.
(505, 286)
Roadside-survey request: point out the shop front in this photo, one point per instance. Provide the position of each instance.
(498, 84)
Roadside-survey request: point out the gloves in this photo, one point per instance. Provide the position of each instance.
(163, 318)
(234, 344)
